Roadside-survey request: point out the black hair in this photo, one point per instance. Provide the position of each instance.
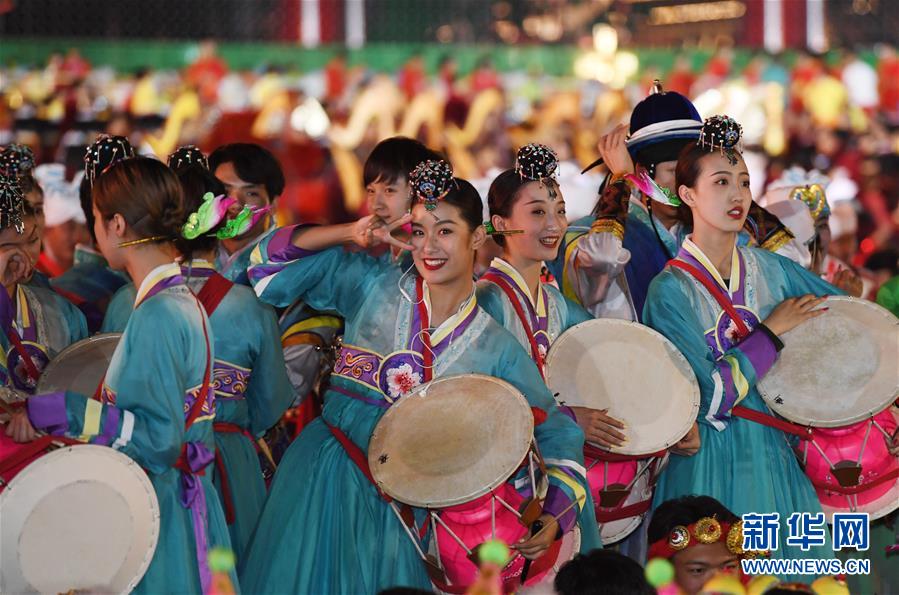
(685, 511)
(196, 181)
(253, 163)
(147, 194)
(394, 158)
(602, 572)
(464, 197)
(87, 205)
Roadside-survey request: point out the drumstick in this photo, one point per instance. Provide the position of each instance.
(541, 527)
(267, 452)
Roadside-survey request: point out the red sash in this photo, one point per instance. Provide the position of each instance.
(742, 331)
(519, 311)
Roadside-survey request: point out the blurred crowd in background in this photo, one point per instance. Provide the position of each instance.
(836, 112)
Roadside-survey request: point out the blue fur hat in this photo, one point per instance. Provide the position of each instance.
(660, 126)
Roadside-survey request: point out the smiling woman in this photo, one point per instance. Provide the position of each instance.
(36, 322)
(402, 329)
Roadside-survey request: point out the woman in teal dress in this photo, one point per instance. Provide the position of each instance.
(747, 466)
(156, 403)
(324, 528)
(252, 390)
(37, 323)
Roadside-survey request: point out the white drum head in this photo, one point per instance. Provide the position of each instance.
(631, 370)
(451, 440)
(79, 518)
(79, 367)
(836, 369)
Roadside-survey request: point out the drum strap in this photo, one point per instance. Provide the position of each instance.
(604, 515)
(427, 354)
(717, 293)
(213, 292)
(28, 451)
(12, 334)
(197, 407)
(742, 331)
(519, 311)
(612, 457)
(861, 487)
(802, 432)
(227, 496)
(358, 457)
(361, 461)
(30, 368)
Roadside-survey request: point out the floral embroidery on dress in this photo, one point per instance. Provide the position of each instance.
(401, 380)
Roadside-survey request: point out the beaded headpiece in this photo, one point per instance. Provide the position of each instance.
(12, 204)
(16, 160)
(104, 153)
(536, 162)
(704, 531)
(430, 182)
(187, 155)
(724, 134)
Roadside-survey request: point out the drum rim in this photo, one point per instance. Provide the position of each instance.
(99, 338)
(877, 509)
(634, 521)
(151, 507)
(777, 408)
(377, 438)
(680, 362)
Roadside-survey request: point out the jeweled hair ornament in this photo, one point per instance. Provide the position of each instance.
(724, 134)
(16, 160)
(242, 223)
(431, 181)
(12, 204)
(104, 153)
(704, 531)
(538, 163)
(209, 215)
(492, 231)
(187, 155)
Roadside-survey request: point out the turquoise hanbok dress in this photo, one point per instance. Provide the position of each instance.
(252, 391)
(325, 529)
(119, 309)
(90, 285)
(747, 466)
(544, 320)
(150, 391)
(234, 266)
(45, 322)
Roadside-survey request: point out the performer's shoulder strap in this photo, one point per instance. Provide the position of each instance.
(213, 292)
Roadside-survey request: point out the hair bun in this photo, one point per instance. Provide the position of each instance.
(12, 204)
(430, 181)
(536, 162)
(104, 153)
(16, 160)
(722, 133)
(187, 155)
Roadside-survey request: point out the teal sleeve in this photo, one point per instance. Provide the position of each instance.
(269, 392)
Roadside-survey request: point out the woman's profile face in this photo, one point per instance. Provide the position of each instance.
(720, 197)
